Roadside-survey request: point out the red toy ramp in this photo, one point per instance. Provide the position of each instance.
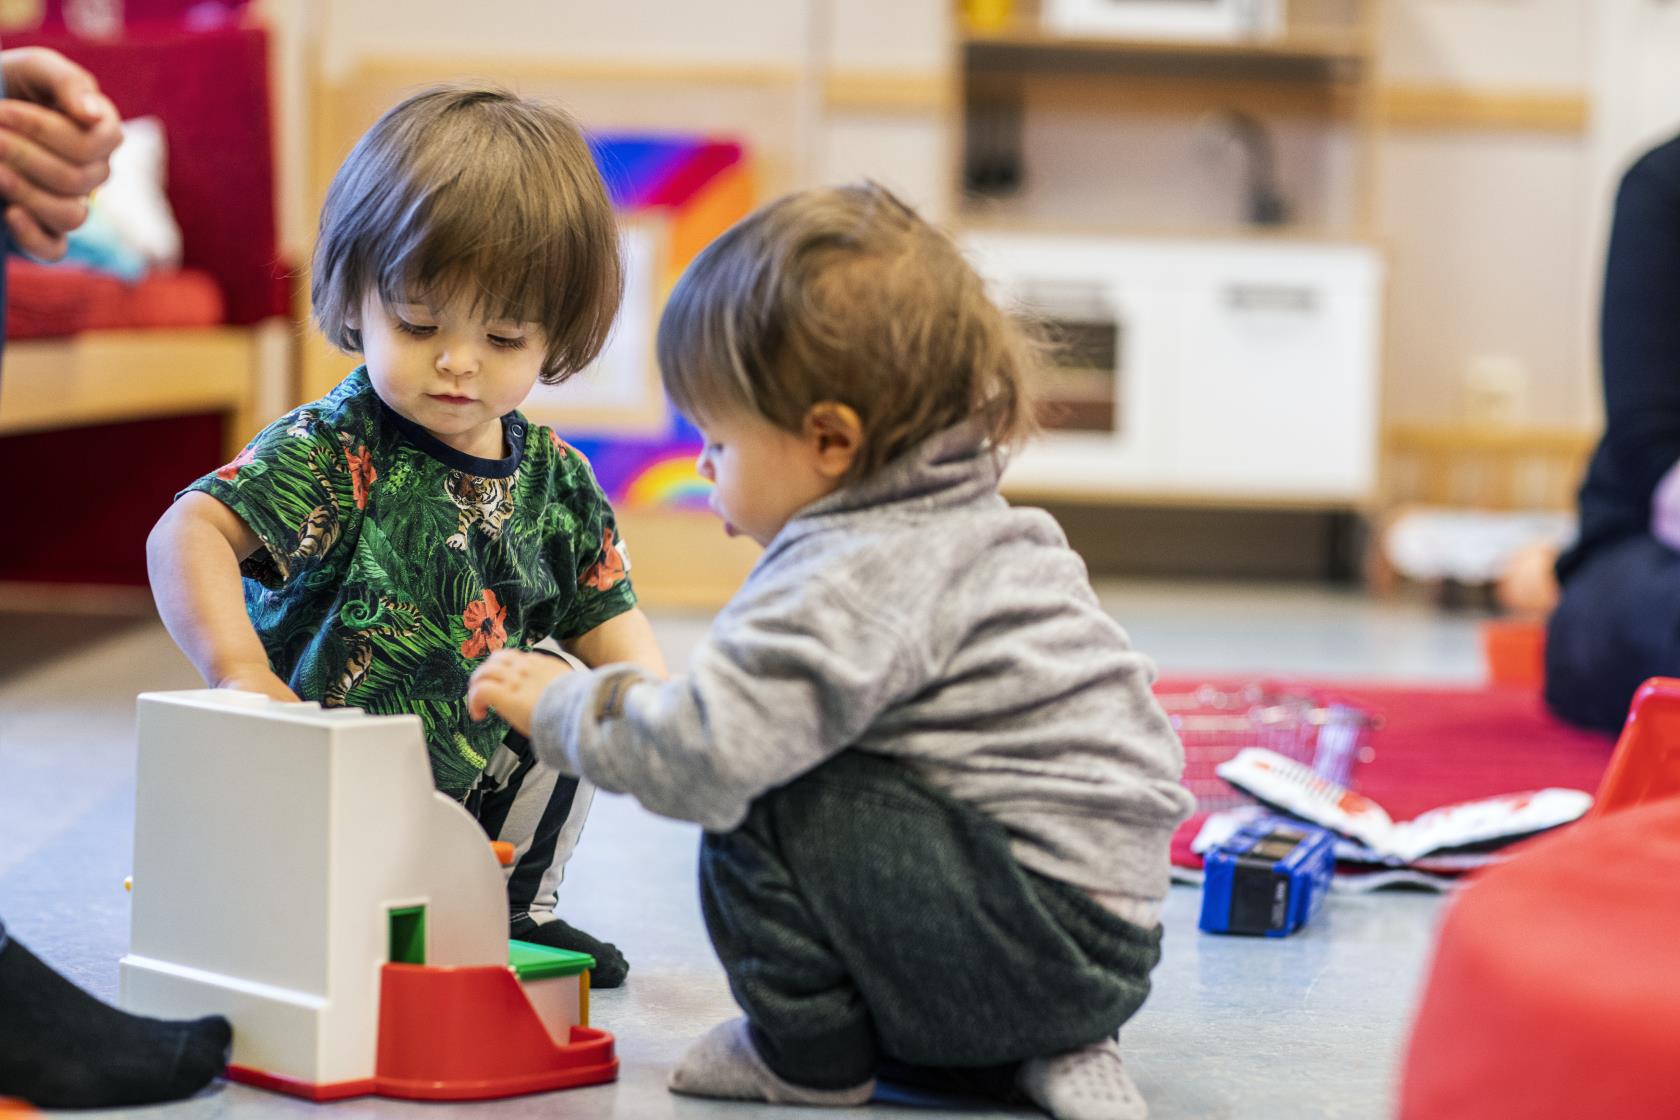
(1554, 991)
(1646, 765)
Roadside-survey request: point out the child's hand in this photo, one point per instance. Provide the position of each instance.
(260, 679)
(512, 683)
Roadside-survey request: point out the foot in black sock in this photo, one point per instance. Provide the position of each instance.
(62, 1048)
(610, 965)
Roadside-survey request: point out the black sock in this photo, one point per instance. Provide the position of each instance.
(62, 1048)
(610, 965)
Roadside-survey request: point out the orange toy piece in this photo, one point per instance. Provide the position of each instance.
(1646, 765)
(504, 852)
(1514, 650)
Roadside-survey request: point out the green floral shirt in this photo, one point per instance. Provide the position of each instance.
(392, 564)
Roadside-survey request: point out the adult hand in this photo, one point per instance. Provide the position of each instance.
(512, 682)
(1528, 585)
(57, 133)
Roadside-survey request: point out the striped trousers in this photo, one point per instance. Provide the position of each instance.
(540, 812)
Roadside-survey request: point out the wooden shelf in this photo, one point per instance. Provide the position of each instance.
(988, 216)
(1032, 493)
(1330, 47)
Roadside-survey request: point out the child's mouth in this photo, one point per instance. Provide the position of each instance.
(448, 399)
(729, 529)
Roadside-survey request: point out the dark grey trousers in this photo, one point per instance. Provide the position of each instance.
(864, 917)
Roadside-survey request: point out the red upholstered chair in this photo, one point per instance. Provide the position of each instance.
(211, 91)
(140, 393)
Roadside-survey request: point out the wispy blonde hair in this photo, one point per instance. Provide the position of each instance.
(845, 294)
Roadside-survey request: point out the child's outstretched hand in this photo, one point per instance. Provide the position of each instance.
(260, 679)
(512, 683)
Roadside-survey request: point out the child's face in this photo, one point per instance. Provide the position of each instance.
(762, 474)
(448, 371)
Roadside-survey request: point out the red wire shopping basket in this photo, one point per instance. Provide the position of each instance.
(1214, 723)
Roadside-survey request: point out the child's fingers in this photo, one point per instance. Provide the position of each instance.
(503, 660)
(480, 699)
(483, 690)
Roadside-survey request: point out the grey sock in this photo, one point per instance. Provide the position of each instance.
(725, 1063)
(1086, 1084)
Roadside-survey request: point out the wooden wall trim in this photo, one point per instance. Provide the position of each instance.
(889, 91)
(423, 68)
(858, 90)
(1446, 107)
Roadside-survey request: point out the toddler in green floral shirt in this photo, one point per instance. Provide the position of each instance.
(371, 548)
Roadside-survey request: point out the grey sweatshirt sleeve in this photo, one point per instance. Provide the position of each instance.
(791, 680)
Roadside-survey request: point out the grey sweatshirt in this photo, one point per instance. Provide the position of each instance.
(915, 615)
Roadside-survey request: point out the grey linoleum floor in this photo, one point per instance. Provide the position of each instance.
(1306, 1027)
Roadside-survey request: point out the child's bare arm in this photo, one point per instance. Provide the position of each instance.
(192, 558)
(627, 637)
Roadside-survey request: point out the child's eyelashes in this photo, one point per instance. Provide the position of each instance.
(419, 330)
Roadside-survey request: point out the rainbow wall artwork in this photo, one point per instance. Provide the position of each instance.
(703, 186)
(649, 473)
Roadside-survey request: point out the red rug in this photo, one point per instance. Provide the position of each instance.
(1438, 746)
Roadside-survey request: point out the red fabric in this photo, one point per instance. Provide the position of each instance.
(52, 301)
(135, 13)
(1553, 994)
(1437, 746)
(108, 486)
(210, 89)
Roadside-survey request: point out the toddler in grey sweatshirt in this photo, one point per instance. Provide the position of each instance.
(937, 790)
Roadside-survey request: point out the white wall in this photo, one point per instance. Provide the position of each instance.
(1493, 251)
(1498, 237)
(794, 42)
(1490, 43)
(1487, 266)
(737, 32)
(1495, 235)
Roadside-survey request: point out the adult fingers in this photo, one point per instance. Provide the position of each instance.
(57, 133)
(48, 168)
(48, 78)
(53, 211)
(29, 235)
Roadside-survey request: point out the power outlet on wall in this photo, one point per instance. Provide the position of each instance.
(1495, 390)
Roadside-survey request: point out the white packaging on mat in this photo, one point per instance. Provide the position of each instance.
(1483, 824)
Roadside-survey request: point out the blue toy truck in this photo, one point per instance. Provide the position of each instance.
(1268, 878)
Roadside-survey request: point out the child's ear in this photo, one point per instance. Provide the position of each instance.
(834, 434)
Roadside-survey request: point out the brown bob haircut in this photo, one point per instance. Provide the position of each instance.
(472, 191)
(845, 294)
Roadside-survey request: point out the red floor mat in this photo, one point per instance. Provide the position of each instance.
(1438, 746)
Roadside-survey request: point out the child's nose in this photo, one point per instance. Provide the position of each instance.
(457, 361)
(703, 466)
